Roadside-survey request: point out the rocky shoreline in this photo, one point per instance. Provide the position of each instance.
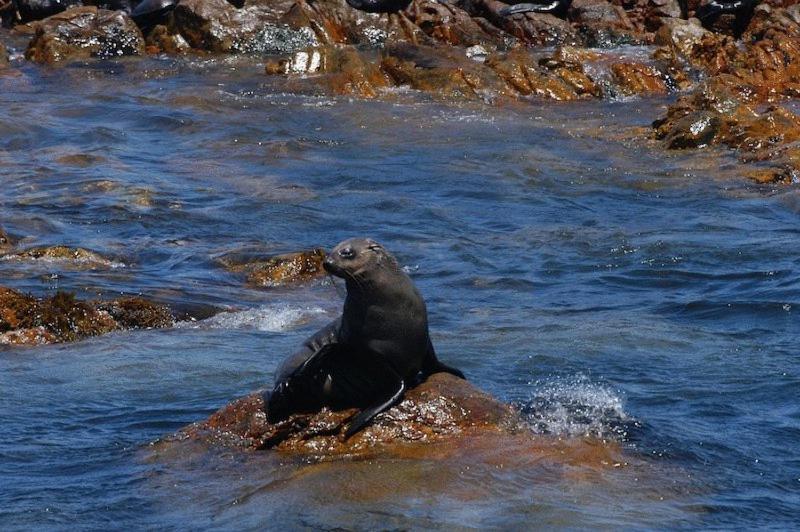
(735, 74)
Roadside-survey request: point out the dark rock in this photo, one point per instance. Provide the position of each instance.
(29, 10)
(6, 243)
(82, 33)
(694, 131)
(3, 56)
(537, 29)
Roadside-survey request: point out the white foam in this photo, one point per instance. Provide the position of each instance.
(576, 407)
(270, 318)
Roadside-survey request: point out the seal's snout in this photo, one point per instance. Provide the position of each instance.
(328, 264)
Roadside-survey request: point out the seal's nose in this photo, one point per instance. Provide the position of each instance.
(328, 264)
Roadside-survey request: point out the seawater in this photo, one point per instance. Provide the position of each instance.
(642, 300)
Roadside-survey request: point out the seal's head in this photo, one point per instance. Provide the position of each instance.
(357, 258)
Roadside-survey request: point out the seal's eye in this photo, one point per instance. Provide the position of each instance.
(347, 253)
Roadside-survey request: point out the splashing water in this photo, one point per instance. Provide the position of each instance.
(577, 407)
(272, 318)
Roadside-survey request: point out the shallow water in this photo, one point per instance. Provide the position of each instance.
(636, 305)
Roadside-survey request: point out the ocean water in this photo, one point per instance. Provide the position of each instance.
(640, 307)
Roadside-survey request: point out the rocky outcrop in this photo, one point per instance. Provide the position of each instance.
(729, 107)
(28, 320)
(277, 270)
(441, 409)
(82, 33)
(3, 56)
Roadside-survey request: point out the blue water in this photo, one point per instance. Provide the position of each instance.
(616, 293)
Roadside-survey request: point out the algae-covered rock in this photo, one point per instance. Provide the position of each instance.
(138, 313)
(29, 320)
(443, 408)
(82, 33)
(277, 270)
(79, 258)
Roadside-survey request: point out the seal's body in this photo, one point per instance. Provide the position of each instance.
(368, 356)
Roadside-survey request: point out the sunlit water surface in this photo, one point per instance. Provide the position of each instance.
(647, 301)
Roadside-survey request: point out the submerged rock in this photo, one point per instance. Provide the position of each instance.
(27, 320)
(75, 257)
(278, 270)
(444, 408)
(6, 243)
(82, 33)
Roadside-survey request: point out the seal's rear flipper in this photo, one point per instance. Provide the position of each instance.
(365, 416)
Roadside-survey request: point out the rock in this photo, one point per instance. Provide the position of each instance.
(29, 10)
(3, 56)
(82, 33)
(60, 318)
(696, 130)
(549, 78)
(681, 36)
(447, 23)
(27, 320)
(74, 257)
(340, 70)
(279, 270)
(536, 29)
(658, 12)
(442, 72)
(217, 26)
(160, 40)
(638, 79)
(138, 313)
(441, 409)
(6, 243)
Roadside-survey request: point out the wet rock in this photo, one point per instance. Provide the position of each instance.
(443, 408)
(681, 36)
(694, 131)
(28, 320)
(549, 78)
(29, 10)
(638, 79)
(339, 70)
(536, 29)
(82, 33)
(218, 26)
(602, 24)
(279, 270)
(447, 23)
(75, 257)
(60, 318)
(658, 12)
(160, 40)
(444, 72)
(138, 313)
(3, 56)
(6, 243)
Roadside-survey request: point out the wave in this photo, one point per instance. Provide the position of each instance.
(270, 318)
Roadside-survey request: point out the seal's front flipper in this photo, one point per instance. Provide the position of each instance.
(365, 416)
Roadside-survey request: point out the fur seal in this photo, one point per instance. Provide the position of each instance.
(371, 354)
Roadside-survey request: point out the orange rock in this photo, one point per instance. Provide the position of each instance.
(638, 79)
